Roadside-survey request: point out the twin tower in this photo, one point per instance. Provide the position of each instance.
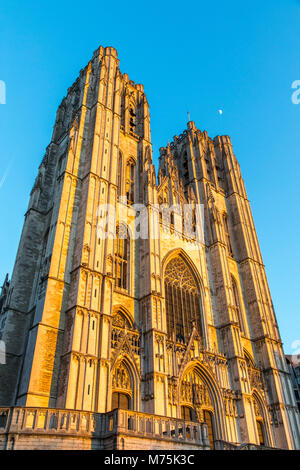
(123, 341)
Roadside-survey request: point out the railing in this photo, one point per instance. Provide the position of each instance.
(249, 446)
(141, 424)
(29, 420)
(26, 420)
(223, 445)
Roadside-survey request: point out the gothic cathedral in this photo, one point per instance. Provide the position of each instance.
(166, 341)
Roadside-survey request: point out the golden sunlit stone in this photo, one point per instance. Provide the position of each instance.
(165, 342)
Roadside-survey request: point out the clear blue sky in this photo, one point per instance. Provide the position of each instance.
(195, 56)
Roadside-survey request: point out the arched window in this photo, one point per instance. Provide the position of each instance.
(208, 167)
(123, 110)
(220, 174)
(249, 360)
(189, 221)
(119, 175)
(172, 220)
(227, 234)
(121, 321)
(236, 299)
(185, 169)
(130, 176)
(132, 116)
(182, 300)
(121, 253)
(194, 221)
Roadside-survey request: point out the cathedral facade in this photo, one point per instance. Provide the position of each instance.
(159, 334)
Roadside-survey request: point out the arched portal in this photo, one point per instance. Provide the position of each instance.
(197, 402)
(122, 387)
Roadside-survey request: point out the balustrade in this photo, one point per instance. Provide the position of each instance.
(57, 421)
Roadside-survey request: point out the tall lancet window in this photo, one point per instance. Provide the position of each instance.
(121, 257)
(227, 234)
(130, 176)
(123, 110)
(182, 300)
(237, 305)
(119, 175)
(185, 169)
(132, 116)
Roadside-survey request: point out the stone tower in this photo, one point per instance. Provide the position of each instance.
(150, 335)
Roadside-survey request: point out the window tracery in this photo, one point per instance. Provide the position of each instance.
(121, 321)
(182, 300)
